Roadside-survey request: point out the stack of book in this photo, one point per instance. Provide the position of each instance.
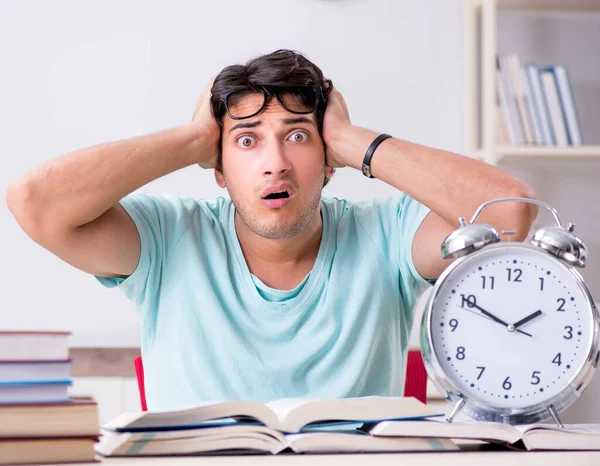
(534, 105)
(39, 421)
(291, 425)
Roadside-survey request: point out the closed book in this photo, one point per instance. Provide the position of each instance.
(47, 450)
(34, 392)
(78, 417)
(511, 100)
(557, 120)
(532, 110)
(516, 77)
(567, 103)
(34, 346)
(506, 130)
(540, 103)
(34, 371)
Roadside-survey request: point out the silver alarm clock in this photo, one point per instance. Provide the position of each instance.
(510, 331)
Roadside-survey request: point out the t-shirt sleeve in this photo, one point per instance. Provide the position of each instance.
(161, 220)
(392, 223)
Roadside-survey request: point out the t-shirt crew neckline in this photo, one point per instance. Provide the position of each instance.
(252, 297)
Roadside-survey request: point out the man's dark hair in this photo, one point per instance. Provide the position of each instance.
(280, 68)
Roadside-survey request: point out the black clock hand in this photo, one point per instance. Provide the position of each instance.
(484, 312)
(524, 320)
(494, 318)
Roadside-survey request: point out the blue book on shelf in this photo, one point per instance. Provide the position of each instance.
(567, 103)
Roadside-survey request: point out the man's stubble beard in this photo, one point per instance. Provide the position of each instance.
(290, 228)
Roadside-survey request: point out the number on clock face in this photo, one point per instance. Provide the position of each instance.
(511, 326)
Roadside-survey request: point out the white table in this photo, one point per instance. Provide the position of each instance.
(462, 458)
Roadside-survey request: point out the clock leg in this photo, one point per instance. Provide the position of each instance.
(457, 407)
(554, 415)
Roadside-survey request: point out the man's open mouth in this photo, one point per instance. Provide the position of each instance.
(277, 195)
(277, 191)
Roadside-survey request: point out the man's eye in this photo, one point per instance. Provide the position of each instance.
(298, 136)
(246, 141)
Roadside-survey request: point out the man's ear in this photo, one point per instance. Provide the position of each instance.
(329, 171)
(220, 178)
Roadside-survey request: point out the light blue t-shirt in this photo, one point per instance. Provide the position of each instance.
(213, 331)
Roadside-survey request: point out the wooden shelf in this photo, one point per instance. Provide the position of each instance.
(481, 50)
(554, 152)
(549, 5)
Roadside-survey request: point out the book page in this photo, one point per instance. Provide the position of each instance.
(168, 420)
(571, 437)
(343, 442)
(296, 413)
(475, 430)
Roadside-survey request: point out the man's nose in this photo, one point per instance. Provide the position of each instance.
(275, 160)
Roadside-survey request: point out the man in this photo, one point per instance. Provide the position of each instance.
(276, 292)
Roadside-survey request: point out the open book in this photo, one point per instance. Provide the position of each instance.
(257, 439)
(289, 415)
(529, 437)
(302, 425)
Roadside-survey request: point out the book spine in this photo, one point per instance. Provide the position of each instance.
(556, 116)
(532, 111)
(503, 103)
(514, 71)
(565, 94)
(541, 104)
(511, 100)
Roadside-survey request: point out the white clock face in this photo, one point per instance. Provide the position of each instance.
(511, 326)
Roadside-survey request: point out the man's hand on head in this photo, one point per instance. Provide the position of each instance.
(208, 128)
(335, 123)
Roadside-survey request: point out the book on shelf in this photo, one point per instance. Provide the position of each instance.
(538, 104)
(34, 346)
(532, 112)
(509, 100)
(505, 125)
(302, 425)
(535, 106)
(567, 103)
(522, 437)
(521, 98)
(554, 108)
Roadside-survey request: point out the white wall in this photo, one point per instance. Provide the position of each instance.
(80, 73)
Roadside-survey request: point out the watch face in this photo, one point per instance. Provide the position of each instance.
(511, 326)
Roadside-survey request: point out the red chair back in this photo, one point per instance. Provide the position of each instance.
(139, 372)
(415, 384)
(416, 376)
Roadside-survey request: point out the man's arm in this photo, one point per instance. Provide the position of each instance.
(451, 185)
(70, 205)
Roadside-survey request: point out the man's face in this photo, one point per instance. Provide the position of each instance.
(274, 150)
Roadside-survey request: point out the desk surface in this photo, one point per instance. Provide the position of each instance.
(463, 458)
